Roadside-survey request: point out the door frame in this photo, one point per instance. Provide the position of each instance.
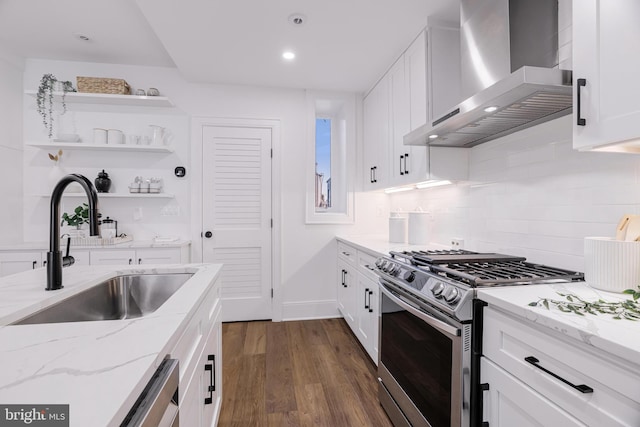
(197, 125)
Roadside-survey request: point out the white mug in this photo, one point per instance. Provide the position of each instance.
(115, 136)
(99, 136)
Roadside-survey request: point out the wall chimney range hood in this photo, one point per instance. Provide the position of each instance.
(509, 69)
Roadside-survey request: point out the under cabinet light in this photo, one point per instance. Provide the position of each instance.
(432, 183)
(490, 109)
(398, 189)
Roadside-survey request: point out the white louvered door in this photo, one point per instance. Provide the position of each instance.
(236, 201)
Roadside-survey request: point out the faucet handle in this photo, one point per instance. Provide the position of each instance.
(67, 259)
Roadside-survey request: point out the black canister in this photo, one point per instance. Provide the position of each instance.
(103, 183)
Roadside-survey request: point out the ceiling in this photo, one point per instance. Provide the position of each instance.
(342, 44)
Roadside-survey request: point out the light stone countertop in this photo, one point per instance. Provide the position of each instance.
(380, 245)
(44, 246)
(99, 368)
(618, 337)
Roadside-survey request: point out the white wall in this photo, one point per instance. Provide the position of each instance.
(531, 194)
(11, 219)
(308, 252)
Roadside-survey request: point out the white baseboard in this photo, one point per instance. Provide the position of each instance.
(307, 310)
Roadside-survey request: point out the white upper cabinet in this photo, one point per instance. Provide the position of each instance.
(606, 36)
(423, 82)
(376, 136)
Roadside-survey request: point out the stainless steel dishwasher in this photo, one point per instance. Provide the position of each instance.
(157, 405)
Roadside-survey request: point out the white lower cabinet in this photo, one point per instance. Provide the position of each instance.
(358, 296)
(509, 402)
(199, 351)
(536, 376)
(138, 256)
(17, 262)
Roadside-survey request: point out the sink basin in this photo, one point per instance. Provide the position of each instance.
(121, 297)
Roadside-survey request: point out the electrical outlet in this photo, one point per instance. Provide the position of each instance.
(457, 243)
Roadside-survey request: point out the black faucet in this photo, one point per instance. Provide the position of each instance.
(54, 256)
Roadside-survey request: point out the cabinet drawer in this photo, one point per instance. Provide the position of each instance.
(347, 253)
(509, 402)
(366, 265)
(615, 400)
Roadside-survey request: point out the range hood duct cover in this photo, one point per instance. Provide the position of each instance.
(509, 60)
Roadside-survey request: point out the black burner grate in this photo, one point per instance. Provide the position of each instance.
(484, 274)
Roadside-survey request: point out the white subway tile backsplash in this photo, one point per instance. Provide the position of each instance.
(531, 194)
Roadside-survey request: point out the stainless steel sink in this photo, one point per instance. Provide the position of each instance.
(122, 297)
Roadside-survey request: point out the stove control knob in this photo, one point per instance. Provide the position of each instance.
(437, 289)
(379, 262)
(452, 295)
(409, 276)
(383, 265)
(393, 269)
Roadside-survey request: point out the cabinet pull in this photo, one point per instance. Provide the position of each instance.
(375, 170)
(139, 260)
(581, 121)
(211, 367)
(44, 263)
(33, 266)
(370, 308)
(366, 292)
(344, 278)
(401, 159)
(582, 388)
(406, 156)
(371, 175)
(130, 261)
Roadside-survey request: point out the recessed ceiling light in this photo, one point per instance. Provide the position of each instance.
(433, 136)
(288, 55)
(297, 19)
(490, 109)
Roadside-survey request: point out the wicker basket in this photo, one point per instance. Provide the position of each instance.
(103, 85)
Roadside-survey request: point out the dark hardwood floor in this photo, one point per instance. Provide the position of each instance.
(303, 373)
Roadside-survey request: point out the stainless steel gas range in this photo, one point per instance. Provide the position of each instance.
(431, 328)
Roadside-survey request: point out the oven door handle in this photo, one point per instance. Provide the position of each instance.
(443, 327)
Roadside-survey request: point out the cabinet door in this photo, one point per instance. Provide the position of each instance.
(112, 257)
(605, 40)
(158, 256)
(212, 375)
(376, 137)
(17, 262)
(366, 314)
(399, 123)
(347, 293)
(415, 61)
(509, 402)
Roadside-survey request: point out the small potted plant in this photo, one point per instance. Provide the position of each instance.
(80, 216)
(44, 98)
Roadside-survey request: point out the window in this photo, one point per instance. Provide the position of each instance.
(323, 163)
(331, 142)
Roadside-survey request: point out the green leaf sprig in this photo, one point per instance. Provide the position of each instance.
(626, 309)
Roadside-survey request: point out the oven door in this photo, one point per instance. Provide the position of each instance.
(424, 364)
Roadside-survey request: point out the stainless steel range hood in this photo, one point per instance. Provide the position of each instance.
(509, 64)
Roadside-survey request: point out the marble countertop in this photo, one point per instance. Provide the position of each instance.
(618, 337)
(98, 368)
(44, 246)
(380, 245)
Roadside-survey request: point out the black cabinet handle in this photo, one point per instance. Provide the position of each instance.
(344, 278)
(371, 175)
(130, 261)
(208, 234)
(582, 388)
(375, 170)
(211, 367)
(366, 292)
(406, 156)
(33, 266)
(401, 159)
(581, 121)
(370, 293)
